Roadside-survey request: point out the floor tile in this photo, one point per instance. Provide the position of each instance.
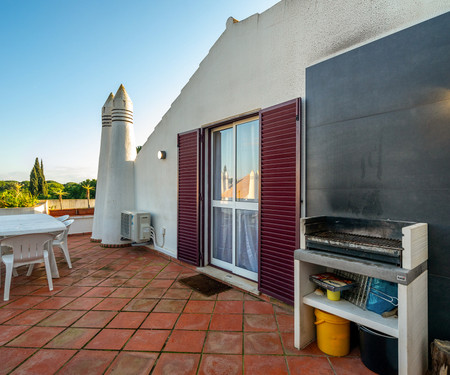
(54, 303)
(226, 322)
(185, 341)
(45, 362)
(229, 307)
(141, 304)
(127, 320)
(43, 291)
(89, 281)
(174, 293)
(349, 366)
(72, 338)
(88, 362)
(6, 314)
(100, 291)
(137, 293)
(258, 307)
(193, 321)
(217, 364)
(148, 340)
(95, 319)
(160, 320)
(23, 290)
(169, 276)
(287, 339)
(36, 337)
(74, 291)
(223, 342)
(259, 323)
(110, 339)
(83, 303)
(135, 363)
(150, 292)
(196, 296)
(199, 307)
(26, 302)
(136, 283)
(29, 317)
(266, 364)
(310, 365)
(285, 322)
(113, 282)
(125, 292)
(262, 343)
(7, 333)
(170, 305)
(177, 364)
(112, 304)
(12, 357)
(61, 318)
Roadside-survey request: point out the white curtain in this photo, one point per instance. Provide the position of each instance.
(247, 239)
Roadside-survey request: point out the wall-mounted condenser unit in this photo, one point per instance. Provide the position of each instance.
(135, 226)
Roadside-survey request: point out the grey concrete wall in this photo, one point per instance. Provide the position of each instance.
(53, 204)
(378, 141)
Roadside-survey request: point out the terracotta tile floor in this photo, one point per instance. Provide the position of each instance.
(122, 311)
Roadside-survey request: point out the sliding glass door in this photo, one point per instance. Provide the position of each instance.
(235, 182)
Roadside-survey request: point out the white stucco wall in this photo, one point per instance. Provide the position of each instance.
(257, 63)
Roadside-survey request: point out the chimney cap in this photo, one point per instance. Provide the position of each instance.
(122, 100)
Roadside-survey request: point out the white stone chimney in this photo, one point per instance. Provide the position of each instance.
(103, 161)
(120, 194)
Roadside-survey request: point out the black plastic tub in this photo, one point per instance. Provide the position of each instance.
(379, 352)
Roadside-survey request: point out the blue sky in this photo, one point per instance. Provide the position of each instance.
(61, 59)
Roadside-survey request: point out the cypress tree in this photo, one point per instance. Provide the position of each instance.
(34, 178)
(43, 188)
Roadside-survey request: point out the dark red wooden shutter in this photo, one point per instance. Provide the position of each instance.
(280, 199)
(189, 233)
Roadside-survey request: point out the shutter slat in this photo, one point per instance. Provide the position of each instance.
(188, 229)
(279, 206)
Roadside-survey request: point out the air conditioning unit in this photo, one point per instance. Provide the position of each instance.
(135, 226)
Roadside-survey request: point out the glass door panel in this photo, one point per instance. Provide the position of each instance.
(222, 245)
(247, 240)
(223, 169)
(234, 193)
(247, 161)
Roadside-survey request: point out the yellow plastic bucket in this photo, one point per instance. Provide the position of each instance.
(333, 333)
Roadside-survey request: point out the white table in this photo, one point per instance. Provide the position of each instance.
(14, 225)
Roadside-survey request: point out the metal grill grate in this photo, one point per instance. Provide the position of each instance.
(358, 239)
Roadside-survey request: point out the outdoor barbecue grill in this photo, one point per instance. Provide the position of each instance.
(379, 240)
(395, 251)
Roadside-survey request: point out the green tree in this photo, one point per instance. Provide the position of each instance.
(88, 187)
(15, 196)
(34, 178)
(59, 192)
(43, 187)
(73, 190)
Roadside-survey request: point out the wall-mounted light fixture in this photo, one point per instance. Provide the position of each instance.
(161, 155)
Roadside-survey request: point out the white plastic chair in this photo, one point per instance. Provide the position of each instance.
(63, 218)
(61, 241)
(27, 249)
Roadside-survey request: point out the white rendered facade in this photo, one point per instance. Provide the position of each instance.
(257, 63)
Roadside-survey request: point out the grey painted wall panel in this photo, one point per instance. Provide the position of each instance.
(399, 79)
(378, 141)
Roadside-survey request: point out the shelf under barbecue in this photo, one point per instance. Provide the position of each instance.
(347, 310)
